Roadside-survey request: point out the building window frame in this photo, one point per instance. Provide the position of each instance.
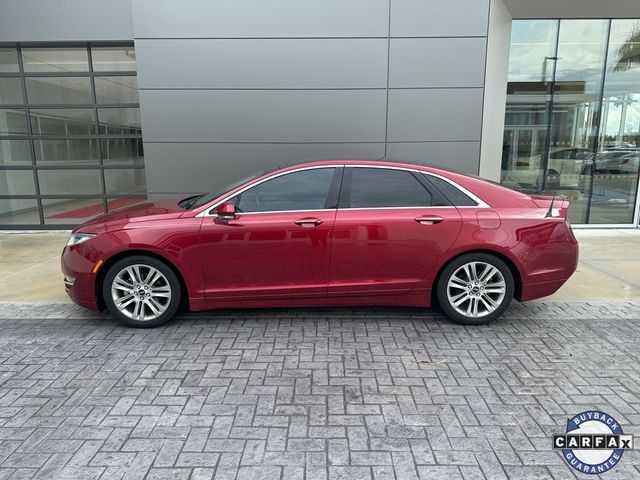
(97, 135)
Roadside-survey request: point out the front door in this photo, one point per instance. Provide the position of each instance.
(279, 244)
(390, 230)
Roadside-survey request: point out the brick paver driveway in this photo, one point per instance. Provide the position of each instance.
(311, 394)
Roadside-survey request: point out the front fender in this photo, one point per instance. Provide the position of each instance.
(177, 243)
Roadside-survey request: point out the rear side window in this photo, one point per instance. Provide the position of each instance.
(379, 187)
(454, 195)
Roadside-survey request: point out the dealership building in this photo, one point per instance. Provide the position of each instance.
(104, 104)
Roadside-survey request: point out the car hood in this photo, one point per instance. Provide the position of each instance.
(144, 211)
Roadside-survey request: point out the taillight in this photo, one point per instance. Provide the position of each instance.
(570, 229)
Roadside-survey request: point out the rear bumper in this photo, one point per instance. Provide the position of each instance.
(542, 289)
(563, 257)
(79, 268)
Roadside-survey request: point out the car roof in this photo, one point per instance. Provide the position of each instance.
(491, 192)
(373, 163)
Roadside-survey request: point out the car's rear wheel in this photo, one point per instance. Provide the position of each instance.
(475, 288)
(141, 291)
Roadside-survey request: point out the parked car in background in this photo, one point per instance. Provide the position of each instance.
(614, 162)
(562, 169)
(573, 153)
(326, 233)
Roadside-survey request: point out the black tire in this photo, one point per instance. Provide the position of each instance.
(172, 283)
(451, 268)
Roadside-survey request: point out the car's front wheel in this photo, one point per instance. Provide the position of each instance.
(141, 291)
(475, 288)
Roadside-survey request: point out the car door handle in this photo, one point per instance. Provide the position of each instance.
(308, 222)
(429, 219)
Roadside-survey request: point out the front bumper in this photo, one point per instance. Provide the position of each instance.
(80, 281)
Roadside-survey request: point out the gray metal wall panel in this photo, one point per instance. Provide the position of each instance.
(249, 71)
(259, 18)
(437, 62)
(438, 18)
(439, 114)
(463, 156)
(263, 115)
(263, 63)
(202, 167)
(65, 20)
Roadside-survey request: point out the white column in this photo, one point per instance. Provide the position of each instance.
(495, 90)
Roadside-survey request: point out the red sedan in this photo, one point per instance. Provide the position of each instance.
(326, 233)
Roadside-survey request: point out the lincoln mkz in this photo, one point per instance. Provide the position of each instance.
(326, 234)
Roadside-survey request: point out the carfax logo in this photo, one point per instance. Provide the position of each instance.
(593, 443)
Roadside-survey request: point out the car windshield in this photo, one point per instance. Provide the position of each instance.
(199, 201)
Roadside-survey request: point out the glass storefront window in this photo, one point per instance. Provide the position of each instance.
(69, 182)
(119, 121)
(55, 60)
(15, 152)
(576, 106)
(531, 66)
(113, 59)
(614, 171)
(73, 144)
(67, 151)
(116, 89)
(10, 91)
(16, 182)
(65, 211)
(571, 87)
(67, 121)
(122, 151)
(13, 121)
(9, 60)
(59, 90)
(533, 46)
(19, 211)
(129, 182)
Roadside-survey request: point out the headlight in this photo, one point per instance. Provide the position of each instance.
(77, 238)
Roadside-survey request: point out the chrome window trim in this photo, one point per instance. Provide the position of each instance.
(480, 203)
(207, 212)
(398, 208)
(279, 211)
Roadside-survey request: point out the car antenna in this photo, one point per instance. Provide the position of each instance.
(555, 192)
(549, 212)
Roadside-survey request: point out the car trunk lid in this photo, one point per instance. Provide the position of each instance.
(555, 205)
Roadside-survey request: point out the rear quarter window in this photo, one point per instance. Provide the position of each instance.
(457, 197)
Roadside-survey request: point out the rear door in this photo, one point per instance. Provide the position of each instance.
(391, 228)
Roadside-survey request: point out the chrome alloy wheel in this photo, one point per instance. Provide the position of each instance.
(141, 292)
(476, 289)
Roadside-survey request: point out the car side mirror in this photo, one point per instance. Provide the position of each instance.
(226, 211)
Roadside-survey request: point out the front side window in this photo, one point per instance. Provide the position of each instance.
(304, 190)
(379, 187)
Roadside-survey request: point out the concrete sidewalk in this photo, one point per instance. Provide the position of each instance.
(608, 270)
